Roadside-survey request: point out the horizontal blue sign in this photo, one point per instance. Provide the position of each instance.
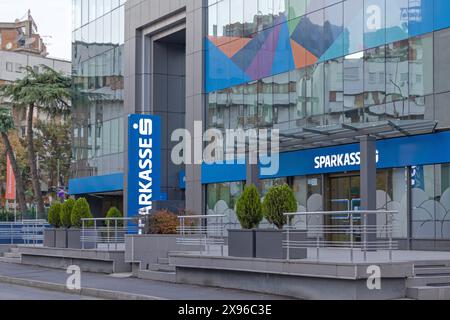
(391, 153)
(144, 163)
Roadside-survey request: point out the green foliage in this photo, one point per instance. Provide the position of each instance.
(48, 90)
(249, 209)
(81, 210)
(114, 213)
(6, 120)
(53, 146)
(66, 213)
(279, 200)
(54, 215)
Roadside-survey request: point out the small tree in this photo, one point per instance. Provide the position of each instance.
(81, 210)
(279, 200)
(54, 215)
(115, 213)
(249, 209)
(66, 213)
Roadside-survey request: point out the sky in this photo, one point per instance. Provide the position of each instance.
(53, 19)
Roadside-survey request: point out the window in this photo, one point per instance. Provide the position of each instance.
(9, 66)
(18, 68)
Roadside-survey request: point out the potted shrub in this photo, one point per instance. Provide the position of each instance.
(54, 215)
(81, 210)
(116, 233)
(269, 243)
(73, 235)
(54, 219)
(241, 243)
(163, 223)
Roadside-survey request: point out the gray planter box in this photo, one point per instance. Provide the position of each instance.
(241, 243)
(269, 245)
(74, 239)
(49, 238)
(61, 238)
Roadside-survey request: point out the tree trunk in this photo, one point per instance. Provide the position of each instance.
(32, 162)
(17, 174)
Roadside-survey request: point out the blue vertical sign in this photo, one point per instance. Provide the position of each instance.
(144, 163)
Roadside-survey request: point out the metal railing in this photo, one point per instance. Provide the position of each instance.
(202, 231)
(350, 230)
(26, 232)
(107, 233)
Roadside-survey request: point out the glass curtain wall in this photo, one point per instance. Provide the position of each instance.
(98, 128)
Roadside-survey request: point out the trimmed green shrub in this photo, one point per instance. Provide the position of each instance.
(54, 215)
(66, 213)
(81, 210)
(249, 208)
(279, 200)
(114, 213)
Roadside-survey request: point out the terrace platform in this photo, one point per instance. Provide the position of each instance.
(332, 276)
(98, 261)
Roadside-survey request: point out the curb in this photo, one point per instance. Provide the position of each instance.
(90, 292)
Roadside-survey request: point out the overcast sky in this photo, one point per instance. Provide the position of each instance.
(53, 19)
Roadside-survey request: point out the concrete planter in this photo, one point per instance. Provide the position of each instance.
(74, 238)
(241, 243)
(91, 237)
(49, 238)
(146, 249)
(61, 238)
(269, 245)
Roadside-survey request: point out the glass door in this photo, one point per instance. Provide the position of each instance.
(343, 195)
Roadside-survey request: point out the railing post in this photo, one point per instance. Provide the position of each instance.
(391, 235)
(222, 235)
(108, 235)
(288, 240)
(116, 235)
(318, 246)
(365, 235)
(351, 237)
(82, 234)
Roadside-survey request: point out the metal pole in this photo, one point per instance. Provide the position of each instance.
(288, 240)
(365, 236)
(351, 237)
(82, 234)
(391, 235)
(107, 232)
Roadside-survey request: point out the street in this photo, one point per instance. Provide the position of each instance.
(14, 292)
(127, 286)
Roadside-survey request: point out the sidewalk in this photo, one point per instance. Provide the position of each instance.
(124, 287)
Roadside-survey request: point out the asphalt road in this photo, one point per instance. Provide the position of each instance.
(13, 292)
(161, 290)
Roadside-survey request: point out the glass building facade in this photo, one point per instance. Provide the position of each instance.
(292, 64)
(98, 123)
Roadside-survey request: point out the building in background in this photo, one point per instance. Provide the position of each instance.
(22, 36)
(21, 47)
(98, 123)
(325, 73)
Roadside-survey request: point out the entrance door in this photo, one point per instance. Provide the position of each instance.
(343, 195)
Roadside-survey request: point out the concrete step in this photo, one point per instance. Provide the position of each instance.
(424, 271)
(163, 260)
(158, 276)
(12, 255)
(14, 249)
(429, 293)
(427, 280)
(161, 267)
(11, 260)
